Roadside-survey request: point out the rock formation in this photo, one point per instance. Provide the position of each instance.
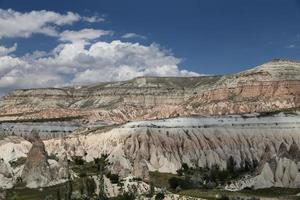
(163, 145)
(5, 175)
(136, 148)
(270, 87)
(39, 170)
(155, 124)
(279, 169)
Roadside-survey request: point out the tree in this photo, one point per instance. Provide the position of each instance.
(159, 196)
(231, 164)
(114, 178)
(102, 164)
(254, 165)
(125, 196)
(78, 160)
(175, 182)
(69, 186)
(58, 194)
(91, 186)
(151, 190)
(185, 167)
(184, 170)
(82, 186)
(213, 172)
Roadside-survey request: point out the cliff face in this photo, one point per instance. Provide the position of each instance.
(36, 171)
(270, 87)
(136, 148)
(163, 145)
(255, 97)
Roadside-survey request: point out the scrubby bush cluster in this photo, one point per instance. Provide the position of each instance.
(199, 177)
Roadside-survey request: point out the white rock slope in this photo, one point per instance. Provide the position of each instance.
(138, 147)
(164, 145)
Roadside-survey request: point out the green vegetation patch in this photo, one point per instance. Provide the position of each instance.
(16, 163)
(213, 194)
(161, 179)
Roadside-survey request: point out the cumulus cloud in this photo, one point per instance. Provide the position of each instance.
(4, 51)
(133, 35)
(291, 46)
(83, 35)
(80, 58)
(93, 19)
(79, 63)
(17, 24)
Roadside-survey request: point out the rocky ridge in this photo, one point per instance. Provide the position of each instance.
(269, 87)
(136, 148)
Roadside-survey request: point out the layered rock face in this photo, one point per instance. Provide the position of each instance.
(164, 145)
(22, 162)
(136, 148)
(46, 129)
(270, 87)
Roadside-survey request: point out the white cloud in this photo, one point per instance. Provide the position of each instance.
(93, 19)
(80, 58)
(78, 63)
(9, 64)
(291, 46)
(83, 35)
(4, 50)
(133, 35)
(17, 24)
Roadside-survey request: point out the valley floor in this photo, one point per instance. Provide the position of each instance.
(209, 194)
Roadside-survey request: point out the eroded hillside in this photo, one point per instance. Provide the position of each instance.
(273, 86)
(136, 148)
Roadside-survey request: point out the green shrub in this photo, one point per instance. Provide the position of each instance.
(223, 197)
(20, 161)
(91, 186)
(159, 196)
(125, 196)
(53, 157)
(114, 178)
(78, 160)
(82, 174)
(175, 182)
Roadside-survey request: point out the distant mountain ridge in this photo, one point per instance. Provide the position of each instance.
(270, 87)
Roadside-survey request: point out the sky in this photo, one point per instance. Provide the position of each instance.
(54, 43)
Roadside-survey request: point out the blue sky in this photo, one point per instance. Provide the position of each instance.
(206, 36)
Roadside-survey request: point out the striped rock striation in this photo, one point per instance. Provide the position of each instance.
(273, 86)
